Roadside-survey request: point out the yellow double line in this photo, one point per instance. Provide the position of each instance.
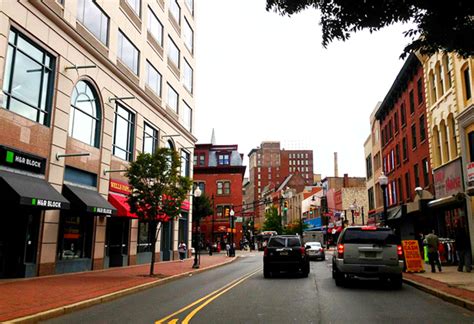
(204, 301)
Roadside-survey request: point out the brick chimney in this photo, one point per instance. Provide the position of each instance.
(345, 184)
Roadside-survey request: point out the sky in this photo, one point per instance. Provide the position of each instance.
(264, 77)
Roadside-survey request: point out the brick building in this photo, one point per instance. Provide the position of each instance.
(219, 172)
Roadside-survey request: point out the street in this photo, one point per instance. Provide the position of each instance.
(238, 293)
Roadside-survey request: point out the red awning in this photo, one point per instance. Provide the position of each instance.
(120, 202)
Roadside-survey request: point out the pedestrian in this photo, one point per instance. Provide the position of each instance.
(182, 251)
(227, 249)
(462, 247)
(210, 247)
(432, 241)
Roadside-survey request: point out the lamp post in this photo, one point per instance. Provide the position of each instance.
(383, 181)
(232, 250)
(197, 193)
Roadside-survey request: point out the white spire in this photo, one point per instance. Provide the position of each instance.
(213, 137)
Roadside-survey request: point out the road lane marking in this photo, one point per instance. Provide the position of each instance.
(197, 309)
(164, 319)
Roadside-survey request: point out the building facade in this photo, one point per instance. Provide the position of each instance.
(104, 80)
(219, 173)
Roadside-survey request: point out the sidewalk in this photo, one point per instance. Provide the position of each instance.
(34, 299)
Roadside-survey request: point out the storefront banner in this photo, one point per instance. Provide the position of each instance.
(470, 172)
(46, 203)
(22, 161)
(413, 260)
(448, 179)
(120, 187)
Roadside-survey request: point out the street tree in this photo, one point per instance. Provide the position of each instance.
(202, 207)
(295, 227)
(272, 221)
(439, 25)
(158, 191)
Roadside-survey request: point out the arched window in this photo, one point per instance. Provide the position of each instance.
(447, 76)
(436, 147)
(444, 142)
(439, 80)
(432, 87)
(453, 145)
(170, 145)
(466, 82)
(84, 120)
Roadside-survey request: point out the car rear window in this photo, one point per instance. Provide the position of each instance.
(379, 236)
(315, 244)
(293, 242)
(277, 242)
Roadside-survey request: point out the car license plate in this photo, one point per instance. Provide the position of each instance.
(283, 253)
(371, 269)
(370, 254)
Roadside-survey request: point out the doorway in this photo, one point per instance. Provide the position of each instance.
(117, 241)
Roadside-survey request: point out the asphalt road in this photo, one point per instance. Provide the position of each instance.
(238, 293)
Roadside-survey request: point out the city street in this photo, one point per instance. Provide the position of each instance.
(238, 293)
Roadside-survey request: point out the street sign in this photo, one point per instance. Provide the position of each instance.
(412, 256)
(239, 219)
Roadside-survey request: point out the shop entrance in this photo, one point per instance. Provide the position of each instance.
(117, 241)
(166, 241)
(19, 243)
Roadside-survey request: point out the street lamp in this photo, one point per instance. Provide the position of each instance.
(232, 250)
(383, 181)
(197, 193)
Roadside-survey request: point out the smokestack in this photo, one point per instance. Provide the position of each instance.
(336, 173)
(346, 180)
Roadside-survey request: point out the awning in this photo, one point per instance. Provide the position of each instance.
(394, 213)
(120, 202)
(30, 191)
(446, 201)
(89, 201)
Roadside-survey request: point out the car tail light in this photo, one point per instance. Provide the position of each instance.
(399, 252)
(340, 251)
(369, 228)
(265, 252)
(302, 251)
(321, 249)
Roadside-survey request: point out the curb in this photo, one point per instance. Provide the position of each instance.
(59, 311)
(440, 294)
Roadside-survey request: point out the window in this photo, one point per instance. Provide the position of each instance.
(395, 120)
(185, 170)
(124, 133)
(368, 166)
(416, 175)
(404, 148)
(400, 189)
(153, 79)
(413, 136)
(453, 143)
(470, 138)
(403, 114)
(172, 99)
(190, 4)
(188, 77)
(223, 187)
(175, 10)
(407, 184)
(223, 159)
(397, 154)
(202, 158)
(412, 102)
(150, 139)
(188, 35)
(135, 5)
(187, 115)
(390, 130)
(28, 80)
(94, 19)
(422, 128)
(173, 52)
(128, 53)
(432, 87)
(201, 185)
(447, 76)
(439, 80)
(155, 27)
(426, 179)
(84, 120)
(145, 237)
(419, 87)
(467, 83)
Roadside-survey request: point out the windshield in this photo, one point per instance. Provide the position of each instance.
(277, 242)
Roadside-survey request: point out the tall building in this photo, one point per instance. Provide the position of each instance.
(106, 79)
(219, 173)
(269, 166)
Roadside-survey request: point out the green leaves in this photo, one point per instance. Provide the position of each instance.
(201, 207)
(272, 221)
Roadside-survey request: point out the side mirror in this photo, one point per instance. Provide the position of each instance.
(307, 247)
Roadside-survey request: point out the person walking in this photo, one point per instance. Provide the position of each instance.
(462, 248)
(182, 251)
(432, 241)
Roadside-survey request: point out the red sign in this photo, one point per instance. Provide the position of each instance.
(120, 187)
(412, 255)
(448, 179)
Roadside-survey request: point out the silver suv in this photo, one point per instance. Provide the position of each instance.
(368, 251)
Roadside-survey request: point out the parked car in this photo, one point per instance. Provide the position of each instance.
(315, 251)
(285, 253)
(368, 251)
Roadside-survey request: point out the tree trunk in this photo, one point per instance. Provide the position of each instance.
(155, 228)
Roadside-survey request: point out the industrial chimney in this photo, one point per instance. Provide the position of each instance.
(336, 173)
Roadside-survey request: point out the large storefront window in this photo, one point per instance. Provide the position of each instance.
(28, 79)
(75, 236)
(145, 237)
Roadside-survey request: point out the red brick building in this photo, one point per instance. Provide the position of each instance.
(219, 172)
(404, 138)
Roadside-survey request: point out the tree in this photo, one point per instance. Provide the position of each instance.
(272, 221)
(158, 191)
(440, 25)
(202, 207)
(295, 227)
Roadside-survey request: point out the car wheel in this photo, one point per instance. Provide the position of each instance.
(266, 272)
(396, 281)
(305, 271)
(338, 277)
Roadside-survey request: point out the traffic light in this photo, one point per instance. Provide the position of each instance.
(226, 212)
(285, 205)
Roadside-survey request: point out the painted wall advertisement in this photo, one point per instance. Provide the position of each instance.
(448, 179)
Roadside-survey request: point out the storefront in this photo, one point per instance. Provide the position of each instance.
(76, 226)
(24, 197)
(449, 207)
(118, 227)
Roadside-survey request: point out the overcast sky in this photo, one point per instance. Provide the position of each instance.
(264, 77)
